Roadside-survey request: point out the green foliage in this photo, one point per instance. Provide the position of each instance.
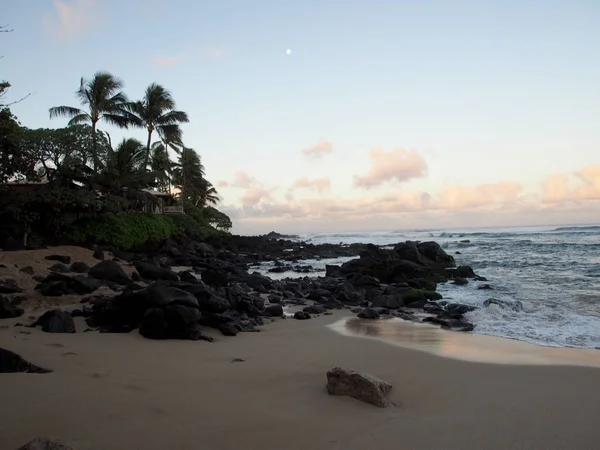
(188, 226)
(15, 162)
(123, 231)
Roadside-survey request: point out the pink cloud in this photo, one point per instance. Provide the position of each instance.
(72, 18)
(589, 188)
(255, 195)
(463, 197)
(557, 188)
(222, 183)
(397, 165)
(320, 185)
(320, 149)
(242, 180)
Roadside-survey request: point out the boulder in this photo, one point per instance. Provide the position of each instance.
(44, 443)
(99, 254)
(514, 305)
(8, 310)
(59, 267)
(28, 270)
(79, 267)
(368, 313)
(110, 271)
(57, 284)
(216, 277)
(9, 287)
(151, 271)
(10, 362)
(315, 309)
(56, 321)
(60, 258)
(275, 310)
(302, 315)
(360, 386)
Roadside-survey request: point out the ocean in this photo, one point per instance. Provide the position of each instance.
(547, 278)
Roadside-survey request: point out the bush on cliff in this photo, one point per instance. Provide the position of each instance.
(187, 225)
(124, 231)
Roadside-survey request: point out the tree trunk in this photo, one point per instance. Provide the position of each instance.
(147, 158)
(95, 148)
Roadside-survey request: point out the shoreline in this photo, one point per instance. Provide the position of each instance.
(470, 347)
(136, 393)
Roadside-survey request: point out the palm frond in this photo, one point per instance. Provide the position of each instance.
(79, 119)
(64, 111)
(173, 117)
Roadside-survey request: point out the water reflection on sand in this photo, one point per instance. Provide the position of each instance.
(465, 346)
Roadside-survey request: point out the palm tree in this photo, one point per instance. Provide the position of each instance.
(104, 99)
(156, 112)
(124, 169)
(160, 163)
(188, 176)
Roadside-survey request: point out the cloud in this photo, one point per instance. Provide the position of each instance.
(320, 185)
(589, 188)
(242, 180)
(557, 188)
(320, 149)
(169, 62)
(397, 165)
(222, 183)
(255, 195)
(72, 18)
(463, 197)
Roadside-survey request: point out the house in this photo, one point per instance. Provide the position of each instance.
(161, 208)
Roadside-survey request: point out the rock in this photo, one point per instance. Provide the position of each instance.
(359, 386)
(450, 324)
(484, 287)
(99, 254)
(463, 272)
(208, 300)
(171, 322)
(161, 296)
(368, 313)
(43, 443)
(515, 305)
(56, 321)
(301, 315)
(28, 270)
(61, 258)
(9, 287)
(315, 309)
(10, 362)
(216, 277)
(274, 310)
(110, 271)
(460, 281)
(59, 267)
(8, 310)
(151, 271)
(79, 267)
(188, 276)
(56, 284)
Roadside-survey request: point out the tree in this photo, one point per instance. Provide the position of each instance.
(104, 99)
(63, 151)
(188, 176)
(160, 164)
(156, 112)
(16, 162)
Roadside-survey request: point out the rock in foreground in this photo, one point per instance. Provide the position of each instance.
(42, 443)
(360, 386)
(10, 362)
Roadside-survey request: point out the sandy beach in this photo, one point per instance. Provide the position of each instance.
(113, 391)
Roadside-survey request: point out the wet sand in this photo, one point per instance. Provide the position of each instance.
(126, 392)
(463, 346)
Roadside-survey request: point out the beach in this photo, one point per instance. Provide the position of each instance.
(121, 391)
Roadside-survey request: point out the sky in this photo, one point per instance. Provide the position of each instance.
(386, 114)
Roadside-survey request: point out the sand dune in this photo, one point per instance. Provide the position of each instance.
(126, 392)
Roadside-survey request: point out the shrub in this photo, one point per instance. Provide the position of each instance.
(189, 226)
(123, 231)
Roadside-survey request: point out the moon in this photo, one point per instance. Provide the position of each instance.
(288, 52)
